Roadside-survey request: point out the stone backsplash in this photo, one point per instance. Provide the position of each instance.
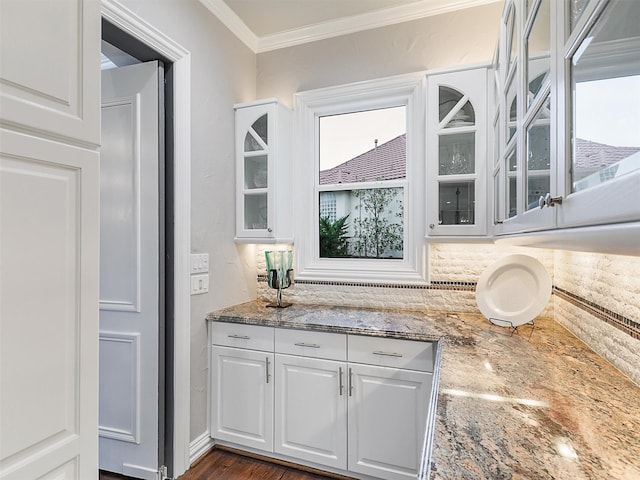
(597, 296)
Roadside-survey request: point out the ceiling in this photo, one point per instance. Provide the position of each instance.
(265, 25)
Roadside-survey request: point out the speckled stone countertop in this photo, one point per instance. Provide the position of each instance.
(538, 404)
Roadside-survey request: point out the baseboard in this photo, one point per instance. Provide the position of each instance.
(199, 447)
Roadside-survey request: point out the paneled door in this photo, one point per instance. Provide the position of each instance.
(242, 397)
(371, 391)
(49, 238)
(311, 410)
(129, 272)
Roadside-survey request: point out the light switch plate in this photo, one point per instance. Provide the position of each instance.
(199, 263)
(199, 284)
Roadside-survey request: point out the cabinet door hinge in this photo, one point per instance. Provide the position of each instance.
(162, 473)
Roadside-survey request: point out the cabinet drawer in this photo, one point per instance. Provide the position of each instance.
(392, 352)
(252, 337)
(332, 346)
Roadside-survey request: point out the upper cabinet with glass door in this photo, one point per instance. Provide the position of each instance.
(456, 153)
(570, 113)
(601, 67)
(263, 173)
(524, 170)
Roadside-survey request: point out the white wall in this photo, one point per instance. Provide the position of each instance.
(458, 38)
(223, 72)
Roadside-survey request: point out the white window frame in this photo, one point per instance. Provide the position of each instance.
(408, 90)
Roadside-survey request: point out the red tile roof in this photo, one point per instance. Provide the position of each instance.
(384, 162)
(594, 155)
(388, 161)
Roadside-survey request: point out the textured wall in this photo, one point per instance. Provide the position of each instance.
(459, 38)
(455, 264)
(611, 281)
(610, 286)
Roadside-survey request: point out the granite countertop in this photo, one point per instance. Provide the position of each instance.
(538, 404)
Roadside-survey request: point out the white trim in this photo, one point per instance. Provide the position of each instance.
(233, 22)
(407, 90)
(129, 22)
(335, 28)
(200, 446)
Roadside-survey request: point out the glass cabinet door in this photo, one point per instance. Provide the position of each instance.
(457, 153)
(456, 158)
(256, 172)
(538, 51)
(603, 134)
(263, 180)
(606, 98)
(527, 160)
(538, 160)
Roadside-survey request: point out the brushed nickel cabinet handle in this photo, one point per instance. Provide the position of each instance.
(266, 366)
(388, 354)
(239, 337)
(341, 385)
(350, 382)
(310, 345)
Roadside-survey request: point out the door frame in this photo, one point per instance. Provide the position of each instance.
(131, 24)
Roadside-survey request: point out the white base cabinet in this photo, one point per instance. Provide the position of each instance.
(242, 404)
(387, 417)
(357, 405)
(311, 410)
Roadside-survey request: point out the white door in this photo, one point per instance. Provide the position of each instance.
(49, 238)
(129, 272)
(387, 419)
(311, 410)
(242, 397)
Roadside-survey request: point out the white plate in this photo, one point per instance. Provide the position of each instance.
(514, 289)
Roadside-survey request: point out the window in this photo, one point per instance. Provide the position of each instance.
(362, 161)
(360, 182)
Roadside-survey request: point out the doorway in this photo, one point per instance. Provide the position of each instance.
(178, 122)
(136, 339)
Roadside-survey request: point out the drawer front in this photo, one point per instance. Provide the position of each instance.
(392, 352)
(238, 335)
(332, 346)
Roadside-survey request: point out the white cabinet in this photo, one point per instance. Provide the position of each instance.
(352, 403)
(389, 382)
(311, 399)
(567, 149)
(601, 90)
(242, 403)
(456, 153)
(242, 385)
(524, 133)
(263, 172)
(50, 239)
(311, 410)
(387, 417)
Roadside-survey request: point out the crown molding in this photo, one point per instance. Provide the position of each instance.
(365, 21)
(335, 28)
(233, 22)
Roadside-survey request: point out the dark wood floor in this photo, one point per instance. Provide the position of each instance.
(223, 465)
